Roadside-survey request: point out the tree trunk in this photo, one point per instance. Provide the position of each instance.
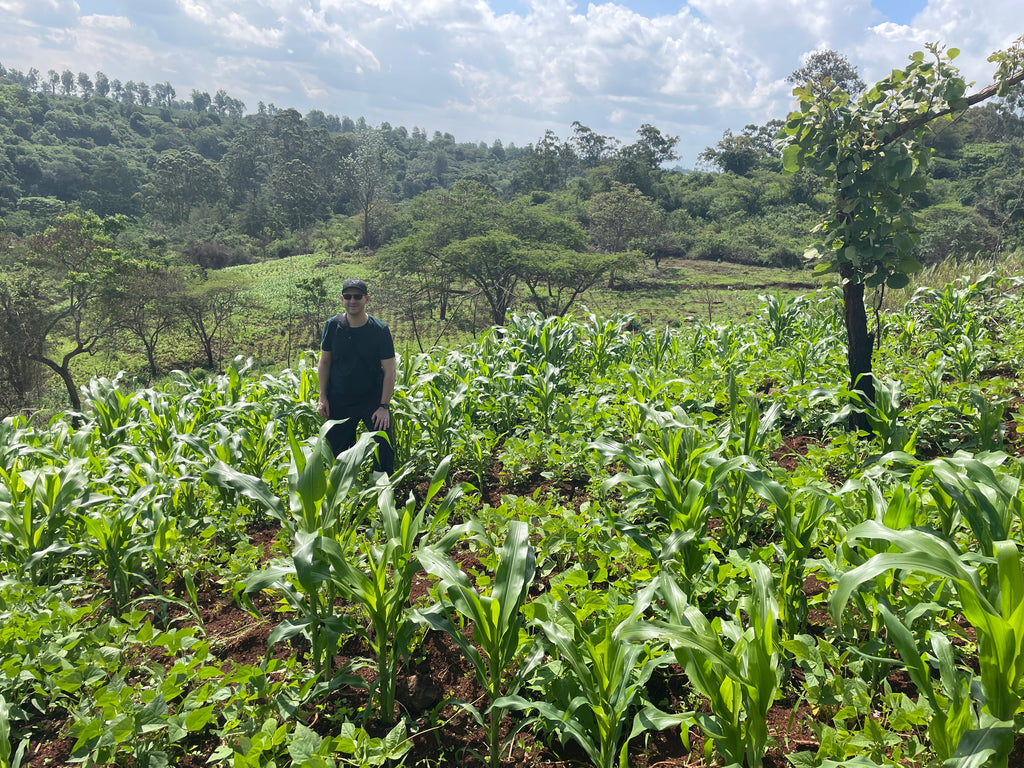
(859, 349)
(69, 383)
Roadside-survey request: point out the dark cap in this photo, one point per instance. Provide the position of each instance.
(355, 283)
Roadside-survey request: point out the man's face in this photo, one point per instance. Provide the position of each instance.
(354, 300)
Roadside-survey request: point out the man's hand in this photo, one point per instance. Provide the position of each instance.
(381, 418)
(323, 408)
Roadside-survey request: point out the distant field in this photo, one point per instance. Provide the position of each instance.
(681, 289)
(677, 290)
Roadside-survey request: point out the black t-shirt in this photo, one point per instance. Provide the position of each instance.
(356, 374)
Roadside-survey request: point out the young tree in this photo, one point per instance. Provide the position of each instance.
(871, 150)
(207, 313)
(314, 305)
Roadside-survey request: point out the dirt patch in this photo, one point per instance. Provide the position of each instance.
(792, 449)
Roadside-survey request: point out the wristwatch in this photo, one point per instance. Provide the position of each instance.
(385, 406)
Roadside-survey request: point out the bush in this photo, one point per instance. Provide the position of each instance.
(211, 255)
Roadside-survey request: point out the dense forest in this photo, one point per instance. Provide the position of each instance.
(119, 201)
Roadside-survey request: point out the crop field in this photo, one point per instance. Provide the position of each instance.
(606, 544)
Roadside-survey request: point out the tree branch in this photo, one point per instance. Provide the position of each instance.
(975, 98)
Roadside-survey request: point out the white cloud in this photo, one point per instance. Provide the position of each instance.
(482, 71)
(98, 21)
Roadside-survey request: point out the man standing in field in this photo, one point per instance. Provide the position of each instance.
(356, 375)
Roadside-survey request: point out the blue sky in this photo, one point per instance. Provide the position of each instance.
(501, 69)
(900, 11)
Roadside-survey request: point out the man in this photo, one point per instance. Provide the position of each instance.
(356, 375)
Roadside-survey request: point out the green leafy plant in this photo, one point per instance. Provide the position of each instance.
(602, 675)
(497, 622)
(740, 678)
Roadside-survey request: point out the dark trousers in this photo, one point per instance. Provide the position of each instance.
(343, 436)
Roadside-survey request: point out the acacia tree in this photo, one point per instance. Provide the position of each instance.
(494, 262)
(60, 286)
(871, 150)
(148, 308)
(554, 263)
(437, 219)
(207, 313)
(557, 276)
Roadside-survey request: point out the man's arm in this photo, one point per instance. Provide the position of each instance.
(323, 376)
(382, 416)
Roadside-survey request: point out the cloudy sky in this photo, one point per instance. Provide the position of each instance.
(501, 69)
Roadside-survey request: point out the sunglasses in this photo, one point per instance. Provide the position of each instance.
(352, 296)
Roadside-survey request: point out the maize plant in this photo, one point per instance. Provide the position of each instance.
(601, 675)
(740, 678)
(991, 600)
(497, 622)
(377, 577)
(38, 511)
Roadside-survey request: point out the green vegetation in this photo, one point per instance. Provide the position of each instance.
(454, 235)
(586, 505)
(637, 509)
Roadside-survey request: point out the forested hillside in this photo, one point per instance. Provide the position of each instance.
(122, 206)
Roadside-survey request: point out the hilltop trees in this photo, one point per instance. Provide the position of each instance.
(741, 153)
(640, 163)
(825, 71)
